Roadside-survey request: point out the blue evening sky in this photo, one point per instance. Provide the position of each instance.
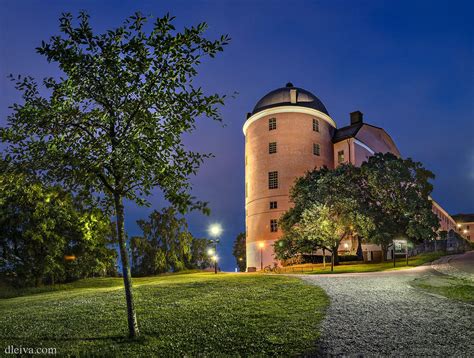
(407, 65)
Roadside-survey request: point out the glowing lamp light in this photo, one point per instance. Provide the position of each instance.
(346, 245)
(215, 258)
(458, 225)
(261, 245)
(210, 252)
(465, 231)
(69, 257)
(215, 230)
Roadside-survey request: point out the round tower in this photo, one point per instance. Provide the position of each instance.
(288, 133)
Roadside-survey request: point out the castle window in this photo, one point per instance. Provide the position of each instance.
(315, 125)
(272, 147)
(316, 149)
(273, 205)
(272, 124)
(340, 156)
(272, 180)
(273, 225)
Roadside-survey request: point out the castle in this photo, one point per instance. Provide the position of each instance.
(288, 133)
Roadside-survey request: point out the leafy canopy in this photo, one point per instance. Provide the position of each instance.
(113, 122)
(41, 225)
(166, 245)
(240, 252)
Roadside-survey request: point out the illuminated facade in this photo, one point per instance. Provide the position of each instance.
(288, 133)
(465, 225)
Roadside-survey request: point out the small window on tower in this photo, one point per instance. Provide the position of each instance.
(272, 147)
(316, 149)
(272, 124)
(340, 156)
(315, 125)
(272, 180)
(273, 205)
(273, 225)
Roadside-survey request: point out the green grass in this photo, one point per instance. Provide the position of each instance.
(7, 291)
(354, 267)
(451, 287)
(179, 315)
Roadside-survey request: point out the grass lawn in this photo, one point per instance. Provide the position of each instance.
(448, 286)
(179, 315)
(351, 267)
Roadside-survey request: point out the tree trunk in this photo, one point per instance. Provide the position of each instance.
(127, 279)
(360, 255)
(336, 255)
(332, 260)
(324, 257)
(384, 252)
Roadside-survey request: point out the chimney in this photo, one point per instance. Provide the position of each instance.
(356, 117)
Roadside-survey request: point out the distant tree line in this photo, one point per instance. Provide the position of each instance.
(167, 245)
(48, 235)
(385, 198)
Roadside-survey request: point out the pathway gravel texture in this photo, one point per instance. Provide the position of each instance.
(379, 314)
(460, 266)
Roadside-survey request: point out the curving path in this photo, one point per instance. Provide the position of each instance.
(379, 314)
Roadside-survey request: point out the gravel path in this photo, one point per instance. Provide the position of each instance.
(461, 266)
(380, 314)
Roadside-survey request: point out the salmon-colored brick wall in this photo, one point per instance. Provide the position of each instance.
(295, 137)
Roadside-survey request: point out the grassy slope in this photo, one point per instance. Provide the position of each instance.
(448, 286)
(349, 267)
(225, 314)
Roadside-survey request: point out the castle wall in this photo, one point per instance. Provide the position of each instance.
(294, 137)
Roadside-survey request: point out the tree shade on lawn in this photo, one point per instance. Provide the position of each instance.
(180, 315)
(113, 123)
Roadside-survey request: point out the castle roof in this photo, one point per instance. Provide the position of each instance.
(282, 97)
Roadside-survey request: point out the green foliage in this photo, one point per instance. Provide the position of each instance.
(387, 197)
(41, 225)
(239, 251)
(180, 315)
(327, 210)
(166, 245)
(113, 123)
(396, 195)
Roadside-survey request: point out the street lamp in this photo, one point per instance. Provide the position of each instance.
(261, 245)
(214, 230)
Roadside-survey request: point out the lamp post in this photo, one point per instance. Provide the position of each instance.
(215, 230)
(261, 245)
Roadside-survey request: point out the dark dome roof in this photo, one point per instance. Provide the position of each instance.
(281, 97)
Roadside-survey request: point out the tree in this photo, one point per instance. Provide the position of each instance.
(113, 123)
(396, 196)
(239, 252)
(42, 226)
(200, 259)
(166, 245)
(326, 225)
(327, 209)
